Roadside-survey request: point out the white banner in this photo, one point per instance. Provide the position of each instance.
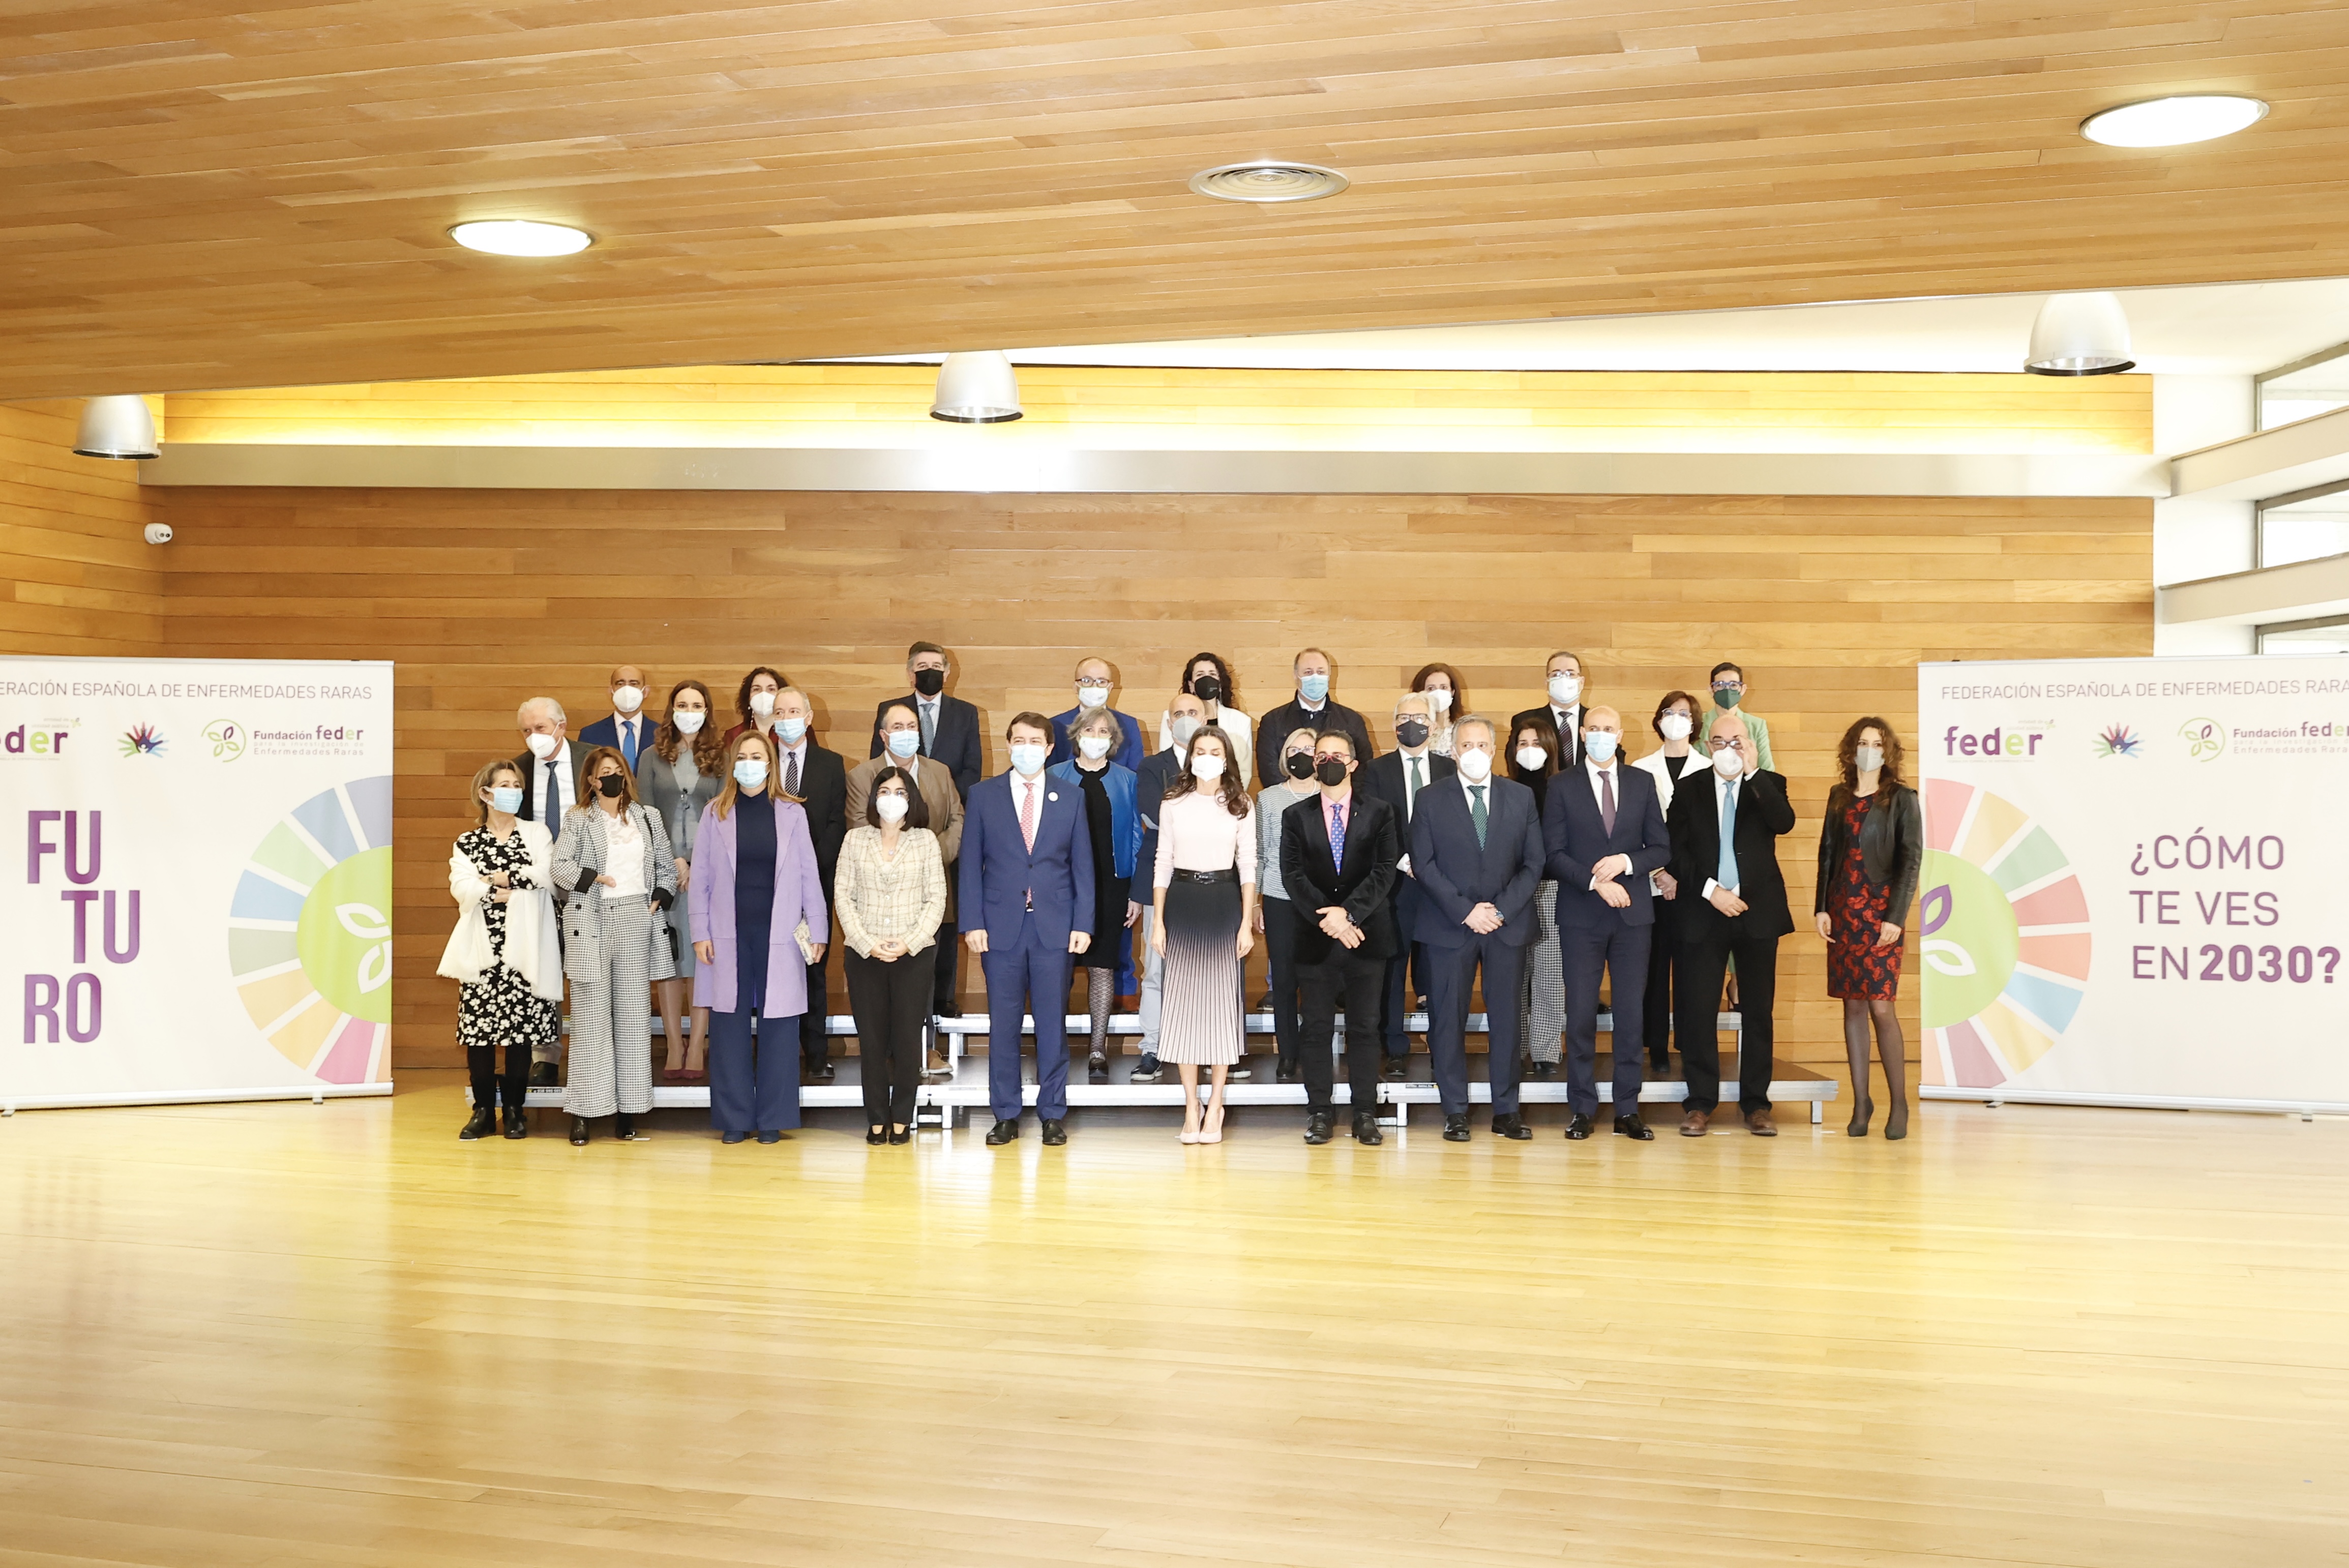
(2134, 881)
(199, 906)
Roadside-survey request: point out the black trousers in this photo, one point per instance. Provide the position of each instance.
(1663, 958)
(945, 1000)
(1621, 952)
(1410, 963)
(1703, 962)
(490, 1087)
(1280, 967)
(1454, 972)
(1357, 981)
(814, 1052)
(891, 1002)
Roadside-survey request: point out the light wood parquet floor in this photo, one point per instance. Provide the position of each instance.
(277, 1335)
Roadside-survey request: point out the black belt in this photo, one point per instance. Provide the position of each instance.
(1228, 875)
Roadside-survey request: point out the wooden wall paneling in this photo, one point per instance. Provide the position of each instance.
(485, 599)
(80, 578)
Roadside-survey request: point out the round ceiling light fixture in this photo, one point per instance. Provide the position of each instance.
(978, 388)
(521, 237)
(117, 427)
(2173, 122)
(1269, 181)
(2080, 335)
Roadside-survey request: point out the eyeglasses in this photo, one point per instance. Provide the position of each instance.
(1727, 743)
(1087, 683)
(1338, 758)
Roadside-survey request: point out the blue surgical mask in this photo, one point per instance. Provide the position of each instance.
(1028, 759)
(751, 773)
(507, 799)
(1312, 688)
(791, 729)
(1598, 745)
(905, 742)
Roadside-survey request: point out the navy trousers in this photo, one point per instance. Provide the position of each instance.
(1027, 976)
(1452, 973)
(1621, 951)
(754, 1084)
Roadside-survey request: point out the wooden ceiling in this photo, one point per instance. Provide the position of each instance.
(211, 195)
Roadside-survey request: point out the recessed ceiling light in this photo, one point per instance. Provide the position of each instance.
(2173, 122)
(521, 237)
(1268, 180)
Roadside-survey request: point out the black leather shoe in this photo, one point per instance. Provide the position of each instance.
(624, 1128)
(517, 1123)
(876, 1135)
(1632, 1127)
(1002, 1132)
(1097, 1069)
(1239, 1072)
(733, 1137)
(1147, 1070)
(1366, 1127)
(903, 1136)
(1511, 1126)
(1455, 1128)
(480, 1124)
(1544, 1070)
(773, 1135)
(1055, 1133)
(541, 1075)
(1392, 1069)
(1285, 1072)
(579, 1132)
(1659, 1067)
(822, 1072)
(1577, 1127)
(1316, 1127)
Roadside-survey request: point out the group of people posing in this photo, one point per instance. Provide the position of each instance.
(1533, 857)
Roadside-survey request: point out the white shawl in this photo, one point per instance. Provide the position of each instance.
(531, 947)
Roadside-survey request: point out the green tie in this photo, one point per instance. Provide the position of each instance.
(1476, 812)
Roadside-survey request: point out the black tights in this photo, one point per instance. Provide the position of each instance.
(1889, 1046)
(1102, 992)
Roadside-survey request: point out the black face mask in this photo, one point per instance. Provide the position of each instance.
(610, 786)
(1300, 766)
(1411, 732)
(929, 682)
(1207, 689)
(1332, 772)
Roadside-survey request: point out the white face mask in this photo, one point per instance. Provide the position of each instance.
(628, 699)
(1869, 757)
(1028, 759)
(1564, 689)
(1531, 756)
(889, 807)
(688, 722)
(1475, 765)
(542, 745)
(1182, 727)
(1092, 697)
(1674, 726)
(762, 703)
(1727, 763)
(1206, 768)
(1439, 698)
(1093, 746)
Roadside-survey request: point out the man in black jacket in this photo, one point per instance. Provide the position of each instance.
(950, 729)
(1311, 708)
(1397, 779)
(1338, 857)
(818, 779)
(1736, 908)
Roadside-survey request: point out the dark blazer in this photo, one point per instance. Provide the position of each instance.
(1570, 740)
(1158, 769)
(1372, 849)
(1762, 814)
(1891, 848)
(605, 731)
(1127, 754)
(1456, 874)
(532, 771)
(1273, 728)
(1382, 776)
(996, 870)
(955, 743)
(1575, 837)
(824, 793)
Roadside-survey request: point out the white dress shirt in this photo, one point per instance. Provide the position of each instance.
(1613, 771)
(623, 725)
(566, 784)
(784, 755)
(1723, 791)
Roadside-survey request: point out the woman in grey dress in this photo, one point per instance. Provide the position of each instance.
(677, 774)
(613, 859)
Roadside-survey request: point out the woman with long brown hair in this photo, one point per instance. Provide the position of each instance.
(677, 774)
(1871, 849)
(1203, 904)
(754, 701)
(613, 860)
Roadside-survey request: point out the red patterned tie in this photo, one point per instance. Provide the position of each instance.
(1028, 818)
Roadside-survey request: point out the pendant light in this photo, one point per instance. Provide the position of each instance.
(979, 388)
(2080, 335)
(117, 427)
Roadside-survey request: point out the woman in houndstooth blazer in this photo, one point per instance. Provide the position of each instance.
(614, 860)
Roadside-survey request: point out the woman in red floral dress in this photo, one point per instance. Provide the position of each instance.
(1871, 848)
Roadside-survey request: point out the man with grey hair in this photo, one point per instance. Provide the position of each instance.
(550, 786)
(1397, 779)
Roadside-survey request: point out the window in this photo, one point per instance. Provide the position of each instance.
(2304, 525)
(2328, 634)
(2316, 385)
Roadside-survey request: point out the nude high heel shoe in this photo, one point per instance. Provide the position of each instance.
(1213, 1130)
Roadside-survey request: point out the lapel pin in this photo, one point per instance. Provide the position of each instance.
(1052, 794)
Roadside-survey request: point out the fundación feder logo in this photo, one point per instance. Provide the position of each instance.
(310, 933)
(227, 738)
(2205, 738)
(2001, 948)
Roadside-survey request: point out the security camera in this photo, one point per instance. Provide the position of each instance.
(158, 534)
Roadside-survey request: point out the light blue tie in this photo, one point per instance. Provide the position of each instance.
(1726, 876)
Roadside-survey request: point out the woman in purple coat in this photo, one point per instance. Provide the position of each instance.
(759, 920)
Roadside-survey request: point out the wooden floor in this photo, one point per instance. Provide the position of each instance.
(274, 1335)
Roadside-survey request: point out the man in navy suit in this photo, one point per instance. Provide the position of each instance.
(1477, 849)
(628, 730)
(1398, 777)
(1604, 832)
(1025, 877)
(1097, 687)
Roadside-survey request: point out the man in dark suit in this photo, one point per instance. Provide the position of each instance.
(1311, 708)
(1477, 846)
(1097, 687)
(1603, 833)
(950, 736)
(819, 780)
(1736, 908)
(626, 729)
(550, 786)
(1564, 710)
(1338, 857)
(1026, 876)
(1397, 779)
(1184, 714)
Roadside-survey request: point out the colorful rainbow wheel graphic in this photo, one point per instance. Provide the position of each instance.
(309, 933)
(2003, 938)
